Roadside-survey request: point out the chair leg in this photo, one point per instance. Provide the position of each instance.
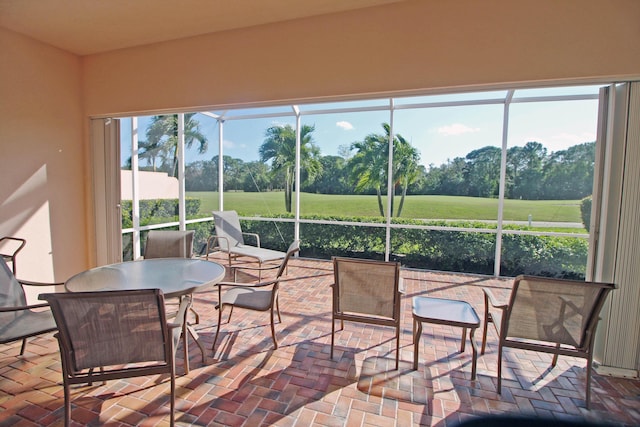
(273, 331)
(23, 347)
(499, 388)
(333, 332)
(417, 333)
(278, 310)
(588, 392)
(90, 376)
(397, 346)
(185, 344)
(487, 319)
(555, 357)
(484, 338)
(173, 398)
(67, 404)
(230, 313)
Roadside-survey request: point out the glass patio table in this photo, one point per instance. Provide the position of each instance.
(175, 277)
(441, 311)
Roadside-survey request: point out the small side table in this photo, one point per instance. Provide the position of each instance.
(448, 312)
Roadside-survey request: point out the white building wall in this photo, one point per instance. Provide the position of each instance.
(152, 185)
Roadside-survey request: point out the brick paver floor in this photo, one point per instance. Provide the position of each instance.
(245, 382)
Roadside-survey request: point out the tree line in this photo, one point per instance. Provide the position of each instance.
(532, 172)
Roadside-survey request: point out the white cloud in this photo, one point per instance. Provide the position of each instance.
(456, 129)
(562, 140)
(231, 145)
(344, 125)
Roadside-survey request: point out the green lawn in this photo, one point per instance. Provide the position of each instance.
(423, 207)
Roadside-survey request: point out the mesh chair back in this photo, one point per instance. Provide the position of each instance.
(100, 329)
(366, 287)
(11, 293)
(553, 310)
(227, 226)
(169, 244)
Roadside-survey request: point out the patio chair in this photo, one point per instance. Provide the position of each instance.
(229, 238)
(173, 244)
(169, 244)
(10, 246)
(555, 316)
(18, 320)
(112, 335)
(366, 291)
(262, 296)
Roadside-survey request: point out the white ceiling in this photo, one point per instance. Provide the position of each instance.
(91, 26)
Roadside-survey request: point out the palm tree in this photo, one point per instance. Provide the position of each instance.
(370, 164)
(162, 139)
(151, 152)
(279, 147)
(406, 168)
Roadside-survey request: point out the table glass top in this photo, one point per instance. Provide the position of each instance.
(174, 276)
(444, 310)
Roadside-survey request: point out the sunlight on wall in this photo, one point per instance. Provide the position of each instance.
(30, 219)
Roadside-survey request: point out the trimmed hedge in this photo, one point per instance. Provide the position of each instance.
(455, 251)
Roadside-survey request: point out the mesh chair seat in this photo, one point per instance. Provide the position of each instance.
(19, 321)
(258, 299)
(26, 323)
(260, 254)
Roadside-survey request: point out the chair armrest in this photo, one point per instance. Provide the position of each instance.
(490, 297)
(255, 236)
(23, 307)
(268, 267)
(29, 283)
(246, 285)
(58, 287)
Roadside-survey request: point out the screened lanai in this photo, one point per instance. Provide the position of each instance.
(464, 184)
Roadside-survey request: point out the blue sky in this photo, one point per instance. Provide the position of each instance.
(440, 134)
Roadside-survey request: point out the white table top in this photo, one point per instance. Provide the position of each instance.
(174, 276)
